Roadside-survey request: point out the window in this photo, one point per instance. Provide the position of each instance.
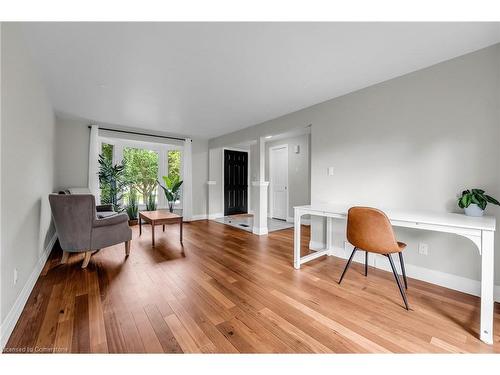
(141, 172)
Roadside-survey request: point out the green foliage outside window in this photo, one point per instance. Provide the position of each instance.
(174, 164)
(141, 170)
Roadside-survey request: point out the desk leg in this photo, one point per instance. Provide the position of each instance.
(487, 285)
(329, 231)
(296, 240)
(180, 230)
(140, 225)
(153, 232)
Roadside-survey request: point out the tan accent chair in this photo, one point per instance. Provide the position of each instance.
(80, 229)
(370, 230)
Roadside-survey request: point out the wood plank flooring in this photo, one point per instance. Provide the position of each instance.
(228, 291)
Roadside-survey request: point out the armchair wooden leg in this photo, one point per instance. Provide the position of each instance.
(86, 259)
(127, 248)
(65, 257)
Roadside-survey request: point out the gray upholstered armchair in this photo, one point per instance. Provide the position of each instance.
(81, 229)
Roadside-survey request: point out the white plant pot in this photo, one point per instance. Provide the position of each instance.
(473, 210)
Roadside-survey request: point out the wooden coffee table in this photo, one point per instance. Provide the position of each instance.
(159, 217)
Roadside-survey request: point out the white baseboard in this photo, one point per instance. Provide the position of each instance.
(15, 312)
(259, 231)
(447, 280)
(302, 221)
(215, 216)
(198, 217)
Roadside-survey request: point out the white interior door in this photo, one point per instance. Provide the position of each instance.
(279, 182)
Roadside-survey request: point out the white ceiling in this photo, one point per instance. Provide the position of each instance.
(208, 79)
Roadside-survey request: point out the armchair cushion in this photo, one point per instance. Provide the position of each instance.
(104, 208)
(111, 220)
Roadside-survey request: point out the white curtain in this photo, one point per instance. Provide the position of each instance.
(187, 176)
(93, 163)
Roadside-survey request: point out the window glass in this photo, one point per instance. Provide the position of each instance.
(141, 173)
(174, 158)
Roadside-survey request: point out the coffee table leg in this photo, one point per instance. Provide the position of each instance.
(153, 232)
(140, 226)
(180, 230)
(164, 227)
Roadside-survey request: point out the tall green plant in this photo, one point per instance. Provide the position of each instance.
(151, 202)
(171, 190)
(133, 204)
(111, 179)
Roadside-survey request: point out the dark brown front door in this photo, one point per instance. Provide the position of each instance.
(235, 182)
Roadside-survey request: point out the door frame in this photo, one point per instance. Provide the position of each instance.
(248, 177)
(271, 149)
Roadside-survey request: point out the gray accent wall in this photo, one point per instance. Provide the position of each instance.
(27, 173)
(412, 142)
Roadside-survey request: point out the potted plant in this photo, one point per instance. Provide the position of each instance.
(151, 201)
(112, 182)
(171, 189)
(474, 201)
(132, 207)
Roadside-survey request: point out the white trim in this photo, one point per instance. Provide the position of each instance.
(215, 216)
(211, 183)
(270, 191)
(198, 217)
(447, 280)
(260, 231)
(260, 183)
(249, 193)
(15, 312)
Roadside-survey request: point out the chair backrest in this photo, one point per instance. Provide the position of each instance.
(370, 229)
(73, 218)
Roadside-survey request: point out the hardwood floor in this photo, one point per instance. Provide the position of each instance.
(228, 291)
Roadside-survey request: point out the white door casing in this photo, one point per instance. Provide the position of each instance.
(278, 174)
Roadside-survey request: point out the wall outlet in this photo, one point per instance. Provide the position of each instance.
(15, 276)
(423, 248)
(330, 171)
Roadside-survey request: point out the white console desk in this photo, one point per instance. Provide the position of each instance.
(480, 230)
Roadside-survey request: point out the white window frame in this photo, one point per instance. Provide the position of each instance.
(161, 148)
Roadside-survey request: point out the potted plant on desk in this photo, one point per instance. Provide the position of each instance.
(172, 190)
(474, 202)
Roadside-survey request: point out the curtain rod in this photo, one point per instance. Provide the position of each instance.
(137, 133)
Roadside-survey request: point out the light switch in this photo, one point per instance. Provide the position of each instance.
(330, 171)
(297, 149)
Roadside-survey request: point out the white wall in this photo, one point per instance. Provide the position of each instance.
(27, 170)
(411, 142)
(72, 150)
